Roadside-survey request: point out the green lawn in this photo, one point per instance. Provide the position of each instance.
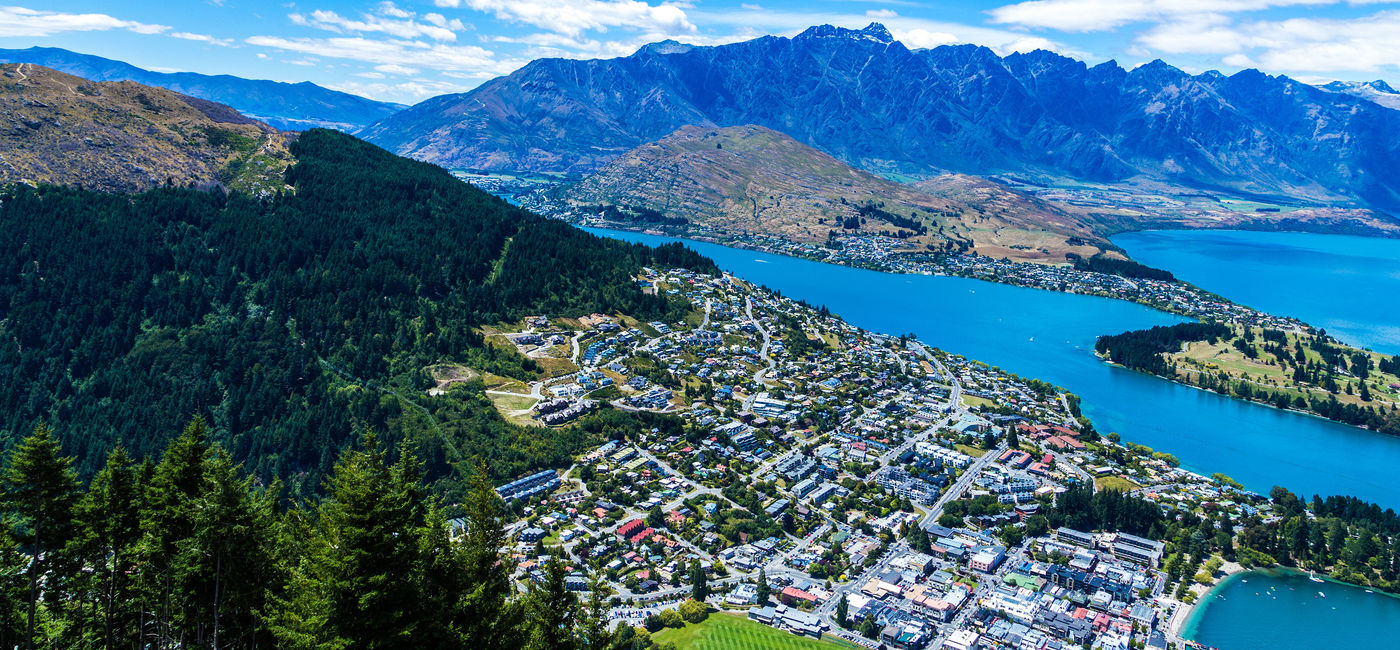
(734, 632)
(1115, 483)
(975, 452)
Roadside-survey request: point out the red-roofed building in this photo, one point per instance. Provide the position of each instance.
(793, 594)
(629, 528)
(1101, 622)
(640, 536)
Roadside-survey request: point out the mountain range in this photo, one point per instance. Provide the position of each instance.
(754, 180)
(287, 106)
(868, 100)
(1377, 91)
(121, 136)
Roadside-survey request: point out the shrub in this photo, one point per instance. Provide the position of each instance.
(694, 611)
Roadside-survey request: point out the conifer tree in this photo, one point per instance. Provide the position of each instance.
(358, 584)
(167, 521)
(551, 611)
(594, 633)
(483, 538)
(41, 490)
(699, 583)
(764, 591)
(109, 520)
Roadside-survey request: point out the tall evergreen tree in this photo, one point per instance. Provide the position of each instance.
(699, 583)
(109, 520)
(167, 520)
(483, 539)
(594, 631)
(358, 584)
(41, 490)
(551, 611)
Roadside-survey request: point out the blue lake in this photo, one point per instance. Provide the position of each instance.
(1050, 336)
(1346, 285)
(1265, 611)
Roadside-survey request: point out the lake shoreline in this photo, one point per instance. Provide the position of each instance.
(1186, 625)
(1248, 400)
(731, 241)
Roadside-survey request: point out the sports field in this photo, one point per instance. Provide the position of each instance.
(734, 632)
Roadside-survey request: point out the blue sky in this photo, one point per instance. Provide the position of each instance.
(408, 50)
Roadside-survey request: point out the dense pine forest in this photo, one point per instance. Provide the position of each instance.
(1143, 349)
(186, 551)
(292, 323)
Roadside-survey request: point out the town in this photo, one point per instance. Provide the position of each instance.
(833, 482)
(891, 255)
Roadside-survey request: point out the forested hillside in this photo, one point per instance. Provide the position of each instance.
(291, 322)
(186, 552)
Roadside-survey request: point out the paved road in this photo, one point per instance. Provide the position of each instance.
(962, 484)
(762, 352)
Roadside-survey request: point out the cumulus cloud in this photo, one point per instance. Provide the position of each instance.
(400, 52)
(203, 38)
(573, 17)
(392, 68)
(414, 88)
(1097, 15)
(390, 20)
(1295, 44)
(21, 21)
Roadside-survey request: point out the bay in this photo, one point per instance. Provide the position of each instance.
(1268, 610)
(1050, 336)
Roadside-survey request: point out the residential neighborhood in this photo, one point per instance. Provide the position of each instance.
(827, 480)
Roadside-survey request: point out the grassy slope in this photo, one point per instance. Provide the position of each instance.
(751, 179)
(1265, 371)
(126, 137)
(734, 632)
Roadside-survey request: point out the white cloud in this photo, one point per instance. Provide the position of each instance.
(913, 32)
(203, 38)
(881, 13)
(391, 21)
(573, 17)
(20, 21)
(1096, 15)
(924, 39)
(410, 53)
(392, 10)
(412, 90)
(1295, 44)
(396, 69)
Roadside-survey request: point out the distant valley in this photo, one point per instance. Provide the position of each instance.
(287, 106)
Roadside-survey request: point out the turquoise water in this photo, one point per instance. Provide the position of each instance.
(1271, 610)
(1346, 285)
(1050, 336)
